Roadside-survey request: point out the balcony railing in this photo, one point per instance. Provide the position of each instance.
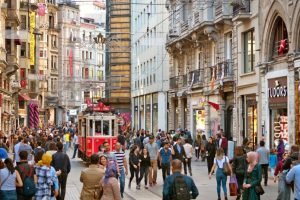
(174, 82)
(185, 80)
(241, 7)
(222, 70)
(196, 76)
(223, 9)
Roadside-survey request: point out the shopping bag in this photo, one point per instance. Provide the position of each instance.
(234, 180)
(233, 186)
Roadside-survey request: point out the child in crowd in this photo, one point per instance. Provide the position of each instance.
(272, 161)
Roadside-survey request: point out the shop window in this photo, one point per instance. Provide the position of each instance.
(21, 104)
(249, 51)
(280, 38)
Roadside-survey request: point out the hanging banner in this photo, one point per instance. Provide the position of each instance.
(32, 40)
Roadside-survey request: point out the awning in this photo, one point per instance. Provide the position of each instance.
(24, 97)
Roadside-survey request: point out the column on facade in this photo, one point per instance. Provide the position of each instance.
(207, 117)
(189, 111)
(172, 113)
(180, 113)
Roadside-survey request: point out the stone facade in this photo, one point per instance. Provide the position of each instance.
(224, 57)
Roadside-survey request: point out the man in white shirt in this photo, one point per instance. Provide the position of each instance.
(16, 150)
(188, 148)
(75, 142)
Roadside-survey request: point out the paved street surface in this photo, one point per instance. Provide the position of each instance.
(206, 187)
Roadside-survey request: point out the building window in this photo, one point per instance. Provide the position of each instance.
(82, 55)
(91, 55)
(23, 22)
(280, 40)
(154, 78)
(249, 51)
(23, 49)
(83, 36)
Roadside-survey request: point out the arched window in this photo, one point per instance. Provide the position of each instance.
(280, 38)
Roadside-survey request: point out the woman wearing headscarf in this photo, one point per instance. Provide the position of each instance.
(109, 183)
(45, 179)
(252, 177)
(280, 150)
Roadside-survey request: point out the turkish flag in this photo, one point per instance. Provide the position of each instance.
(214, 105)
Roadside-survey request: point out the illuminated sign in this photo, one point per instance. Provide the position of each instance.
(281, 128)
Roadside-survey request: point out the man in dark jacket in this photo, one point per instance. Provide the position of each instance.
(178, 151)
(61, 161)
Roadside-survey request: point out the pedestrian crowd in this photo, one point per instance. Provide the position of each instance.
(39, 166)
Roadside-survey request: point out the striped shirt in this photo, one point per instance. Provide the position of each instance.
(120, 159)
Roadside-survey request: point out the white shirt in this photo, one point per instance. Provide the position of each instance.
(75, 139)
(220, 163)
(188, 148)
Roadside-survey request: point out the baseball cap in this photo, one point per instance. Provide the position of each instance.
(3, 153)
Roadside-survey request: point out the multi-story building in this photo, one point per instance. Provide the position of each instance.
(118, 55)
(92, 57)
(69, 61)
(149, 66)
(279, 71)
(10, 20)
(201, 96)
(48, 63)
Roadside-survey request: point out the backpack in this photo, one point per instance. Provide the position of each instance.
(181, 190)
(29, 188)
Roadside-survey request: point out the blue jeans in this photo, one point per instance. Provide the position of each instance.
(8, 194)
(66, 147)
(122, 180)
(75, 150)
(221, 180)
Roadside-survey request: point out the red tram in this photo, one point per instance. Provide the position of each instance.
(95, 128)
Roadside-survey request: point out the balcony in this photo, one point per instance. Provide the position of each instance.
(222, 71)
(241, 10)
(196, 78)
(54, 28)
(13, 16)
(52, 4)
(223, 12)
(12, 65)
(3, 62)
(24, 5)
(174, 82)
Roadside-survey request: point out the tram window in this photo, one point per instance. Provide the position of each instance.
(105, 127)
(98, 127)
(112, 127)
(91, 128)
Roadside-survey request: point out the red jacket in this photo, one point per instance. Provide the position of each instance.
(224, 143)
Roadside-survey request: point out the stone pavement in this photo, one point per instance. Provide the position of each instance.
(206, 187)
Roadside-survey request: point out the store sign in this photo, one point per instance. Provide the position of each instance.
(72, 112)
(277, 90)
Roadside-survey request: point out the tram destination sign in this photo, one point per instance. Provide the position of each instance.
(277, 90)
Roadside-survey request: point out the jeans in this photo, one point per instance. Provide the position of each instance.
(265, 168)
(8, 194)
(134, 172)
(75, 150)
(153, 172)
(122, 180)
(66, 147)
(62, 186)
(197, 152)
(144, 173)
(221, 180)
(165, 170)
(187, 164)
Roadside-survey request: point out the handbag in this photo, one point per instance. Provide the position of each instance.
(259, 189)
(226, 169)
(233, 186)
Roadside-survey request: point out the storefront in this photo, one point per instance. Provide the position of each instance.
(154, 112)
(278, 112)
(250, 117)
(148, 113)
(198, 112)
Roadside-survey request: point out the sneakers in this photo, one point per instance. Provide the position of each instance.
(138, 187)
(146, 187)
